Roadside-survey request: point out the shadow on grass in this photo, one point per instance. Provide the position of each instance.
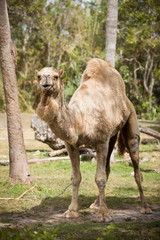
(50, 206)
(113, 202)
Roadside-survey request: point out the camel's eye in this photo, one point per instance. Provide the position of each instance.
(39, 77)
(56, 77)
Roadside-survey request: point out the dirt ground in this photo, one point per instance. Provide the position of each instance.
(52, 217)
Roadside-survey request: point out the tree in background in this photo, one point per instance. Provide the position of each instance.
(139, 53)
(111, 30)
(19, 169)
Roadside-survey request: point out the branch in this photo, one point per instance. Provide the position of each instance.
(57, 152)
(20, 195)
(150, 132)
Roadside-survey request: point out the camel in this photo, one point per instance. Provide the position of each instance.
(98, 111)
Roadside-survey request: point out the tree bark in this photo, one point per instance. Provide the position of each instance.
(111, 30)
(19, 169)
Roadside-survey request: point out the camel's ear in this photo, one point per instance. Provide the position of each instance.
(61, 73)
(36, 72)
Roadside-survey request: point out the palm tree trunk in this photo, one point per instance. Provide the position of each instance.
(111, 30)
(19, 169)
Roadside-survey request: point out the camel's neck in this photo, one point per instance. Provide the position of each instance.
(54, 111)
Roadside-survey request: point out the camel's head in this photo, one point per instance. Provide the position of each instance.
(49, 79)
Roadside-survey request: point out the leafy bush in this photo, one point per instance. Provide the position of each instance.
(28, 234)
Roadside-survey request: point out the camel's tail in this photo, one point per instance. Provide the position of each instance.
(121, 144)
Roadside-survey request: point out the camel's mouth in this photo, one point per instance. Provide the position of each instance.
(46, 86)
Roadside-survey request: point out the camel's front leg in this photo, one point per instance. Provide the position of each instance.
(101, 178)
(72, 211)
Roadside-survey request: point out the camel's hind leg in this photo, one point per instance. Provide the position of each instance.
(101, 178)
(131, 138)
(112, 142)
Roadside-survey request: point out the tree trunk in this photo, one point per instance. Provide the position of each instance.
(24, 48)
(111, 30)
(19, 169)
(148, 76)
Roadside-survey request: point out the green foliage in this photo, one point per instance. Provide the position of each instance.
(28, 234)
(138, 48)
(109, 233)
(150, 113)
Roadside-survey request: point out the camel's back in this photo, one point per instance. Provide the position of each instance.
(100, 100)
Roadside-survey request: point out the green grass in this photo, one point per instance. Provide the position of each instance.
(52, 178)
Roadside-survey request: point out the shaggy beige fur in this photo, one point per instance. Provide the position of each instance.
(98, 110)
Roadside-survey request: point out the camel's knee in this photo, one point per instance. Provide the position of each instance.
(101, 181)
(101, 184)
(76, 179)
(133, 144)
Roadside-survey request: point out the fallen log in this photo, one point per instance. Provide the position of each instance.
(149, 140)
(149, 131)
(44, 134)
(57, 152)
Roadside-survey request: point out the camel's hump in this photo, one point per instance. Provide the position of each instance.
(98, 68)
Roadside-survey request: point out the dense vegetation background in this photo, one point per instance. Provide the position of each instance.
(67, 33)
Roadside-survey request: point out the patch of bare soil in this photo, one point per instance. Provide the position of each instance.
(52, 217)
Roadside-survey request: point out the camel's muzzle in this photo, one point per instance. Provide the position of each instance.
(46, 86)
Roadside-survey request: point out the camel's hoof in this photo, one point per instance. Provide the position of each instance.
(104, 215)
(94, 206)
(71, 214)
(104, 218)
(146, 210)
